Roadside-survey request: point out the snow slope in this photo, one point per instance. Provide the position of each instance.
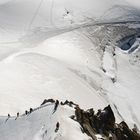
(41, 125)
(120, 73)
(84, 65)
(28, 78)
(50, 71)
(18, 17)
(69, 66)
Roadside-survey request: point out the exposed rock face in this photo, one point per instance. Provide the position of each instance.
(103, 122)
(47, 101)
(124, 133)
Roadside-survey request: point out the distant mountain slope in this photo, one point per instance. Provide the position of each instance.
(17, 17)
(121, 13)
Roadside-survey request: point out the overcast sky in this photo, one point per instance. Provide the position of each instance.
(134, 2)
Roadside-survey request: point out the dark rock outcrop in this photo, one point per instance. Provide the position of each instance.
(103, 122)
(69, 103)
(47, 101)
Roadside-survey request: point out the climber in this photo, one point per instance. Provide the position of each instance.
(56, 105)
(57, 127)
(31, 110)
(7, 118)
(17, 116)
(26, 112)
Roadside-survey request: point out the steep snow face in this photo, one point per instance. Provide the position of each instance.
(77, 49)
(58, 68)
(122, 66)
(30, 76)
(124, 91)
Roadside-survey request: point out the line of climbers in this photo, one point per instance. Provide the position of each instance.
(69, 103)
(44, 102)
(17, 116)
(103, 122)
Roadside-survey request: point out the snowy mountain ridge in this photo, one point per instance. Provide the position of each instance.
(63, 121)
(88, 53)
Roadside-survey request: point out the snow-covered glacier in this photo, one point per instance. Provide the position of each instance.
(87, 52)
